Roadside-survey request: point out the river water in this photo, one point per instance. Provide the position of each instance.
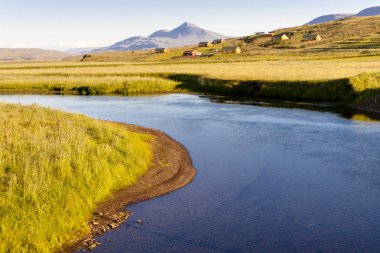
(269, 179)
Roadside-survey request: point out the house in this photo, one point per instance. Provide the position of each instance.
(231, 50)
(205, 44)
(266, 35)
(192, 52)
(312, 37)
(280, 37)
(161, 50)
(218, 41)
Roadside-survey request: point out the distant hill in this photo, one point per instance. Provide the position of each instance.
(30, 54)
(373, 11)
(328, 18)
(79, 51)
(184, 35)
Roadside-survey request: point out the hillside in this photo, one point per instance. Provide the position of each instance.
(184, 35)
(333, 32)
(350, 37)
(30, 54)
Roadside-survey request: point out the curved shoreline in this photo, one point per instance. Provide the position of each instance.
(171, 170)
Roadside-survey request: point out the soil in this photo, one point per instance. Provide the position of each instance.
(171, 170)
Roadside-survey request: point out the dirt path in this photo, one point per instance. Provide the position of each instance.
(172, 169)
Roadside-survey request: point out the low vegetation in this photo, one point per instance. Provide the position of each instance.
(333, 80)
(86, 84)
(54, 168)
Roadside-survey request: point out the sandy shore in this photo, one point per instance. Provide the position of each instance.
(171, 170)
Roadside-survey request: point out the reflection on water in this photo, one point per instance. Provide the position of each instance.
(269, 179)
(362, 117)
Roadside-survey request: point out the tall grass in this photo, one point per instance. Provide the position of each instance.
(280, 69)
(293, 79)
(86, 84)
(54, 168)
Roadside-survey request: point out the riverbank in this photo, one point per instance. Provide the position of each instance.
(171, 170)
(348, 82)
(56, 167)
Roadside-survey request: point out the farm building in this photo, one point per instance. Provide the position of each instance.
(161, 50)
(231, 50)
(280, 37)
(266, 35)
(312, 37)
(205, 44)
(190, 52)
(218, 41)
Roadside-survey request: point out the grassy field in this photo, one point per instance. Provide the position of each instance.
(281, 79)
(54, 168)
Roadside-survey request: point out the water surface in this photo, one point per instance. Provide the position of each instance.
(269, 179)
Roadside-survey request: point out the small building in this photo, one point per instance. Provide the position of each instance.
(192, 52)
(231, 50)
(218, 41)
(312, 37)
(266, 35)
(280, 37)
(205, 44)
(161, 50)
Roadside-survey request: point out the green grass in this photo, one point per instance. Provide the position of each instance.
(54, 168)
(85, 84)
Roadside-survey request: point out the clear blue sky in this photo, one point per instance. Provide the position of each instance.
(62, 24)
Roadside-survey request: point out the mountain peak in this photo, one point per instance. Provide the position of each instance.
(188, 25)
(184, 35)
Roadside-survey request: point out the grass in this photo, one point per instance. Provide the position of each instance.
(86, 84)
(54, 168)
(333, 80)
(280, 69)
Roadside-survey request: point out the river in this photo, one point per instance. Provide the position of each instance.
(269, 179)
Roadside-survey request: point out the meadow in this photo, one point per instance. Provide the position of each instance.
(293, 79)
(55, 167)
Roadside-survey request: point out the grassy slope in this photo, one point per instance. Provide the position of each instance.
(54, 168)
(28, 54)
(351, 37)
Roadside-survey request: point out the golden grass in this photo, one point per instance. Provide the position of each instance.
(54, 168)
(259, 70)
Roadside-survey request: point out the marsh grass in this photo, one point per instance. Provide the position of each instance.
(54, 168)
(283, 79)
(86, 84)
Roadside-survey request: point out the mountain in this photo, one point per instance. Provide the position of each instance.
(373, 11)
(328, 18)
(184, 35)
(30, 54)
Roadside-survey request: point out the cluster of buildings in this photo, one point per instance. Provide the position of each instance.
(287, 35)
(236, 49)
(195, 52)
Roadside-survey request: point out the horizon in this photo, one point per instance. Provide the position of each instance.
(68, 25)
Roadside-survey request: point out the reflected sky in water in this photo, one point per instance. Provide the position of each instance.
(269, 179)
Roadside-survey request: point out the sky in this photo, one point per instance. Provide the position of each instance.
(65, 24)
